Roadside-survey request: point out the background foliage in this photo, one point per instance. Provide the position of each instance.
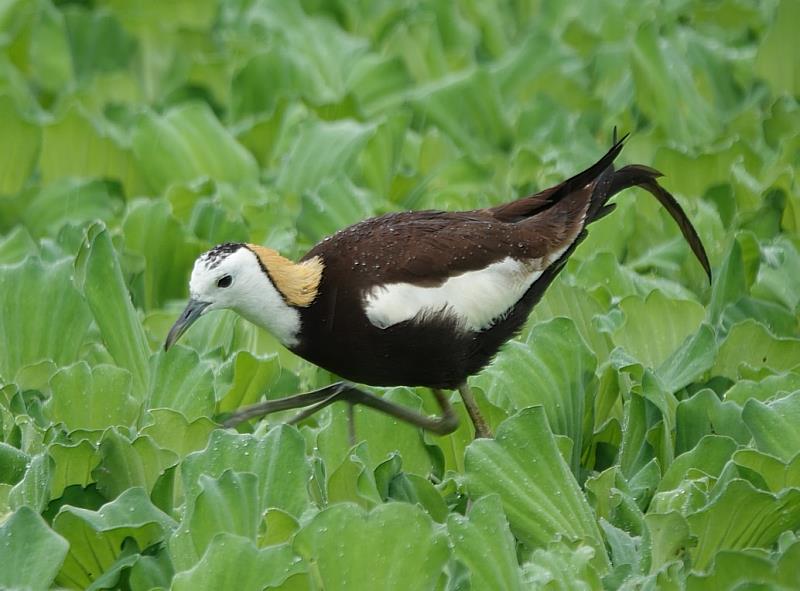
(648, 425)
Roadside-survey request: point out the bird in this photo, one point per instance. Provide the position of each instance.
(415, 298)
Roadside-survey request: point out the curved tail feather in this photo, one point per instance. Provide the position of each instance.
(638, 175)
(605, 182)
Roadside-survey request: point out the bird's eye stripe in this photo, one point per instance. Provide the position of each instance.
(224, 281)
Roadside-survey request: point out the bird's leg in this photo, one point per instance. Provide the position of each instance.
(319, 399)
(315, 408)
(327, 394)
(441, 425)
(481, 428)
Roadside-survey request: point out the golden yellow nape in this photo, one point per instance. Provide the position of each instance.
(297, 282)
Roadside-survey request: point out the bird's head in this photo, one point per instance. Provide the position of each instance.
(256, 282)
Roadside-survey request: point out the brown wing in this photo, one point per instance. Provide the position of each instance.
(427, 247)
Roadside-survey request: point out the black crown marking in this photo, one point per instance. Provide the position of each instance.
(219, 253)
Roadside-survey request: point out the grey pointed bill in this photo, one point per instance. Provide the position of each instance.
(194, 309)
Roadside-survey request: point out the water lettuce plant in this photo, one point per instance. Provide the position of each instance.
(647, 425)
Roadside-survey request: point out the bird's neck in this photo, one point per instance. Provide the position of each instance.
(267, 309)
(274, 294)
(297, 282)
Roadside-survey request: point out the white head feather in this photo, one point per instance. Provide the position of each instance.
(250, 293)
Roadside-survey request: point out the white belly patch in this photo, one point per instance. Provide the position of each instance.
(476, 298)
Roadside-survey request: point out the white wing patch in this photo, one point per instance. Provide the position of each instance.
(477, 298)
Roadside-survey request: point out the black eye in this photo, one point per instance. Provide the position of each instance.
(224, 281)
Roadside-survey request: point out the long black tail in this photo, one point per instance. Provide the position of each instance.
(606, 182)
(610, 182)
(638, 175)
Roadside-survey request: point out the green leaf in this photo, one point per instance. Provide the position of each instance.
(92, 398)
(36, 330)
(183, 383)
(353, 481)
(138, 134)
(690, 361)
(125, 463)
(612, 500)
(32, 553)
(321, 151)
(228, 504)
(13, 462)
(232, 561)
(648, 422)
(730, 283)
(777, 475)
(33, 490)
(555, 369)
(98, 43)
(779, 276)
(252, 377)
(703, 414)
(668, 538)
(412, 488)
(277, 63)
(71, 464)
(99, 277)
(485, 545)
(625, 550)
(563, 566)
(740, 517)
(452, 446)
(405, 549)
(331, 206)
(775, 317)
(151, 230)
(778, 54)
(771, 386)
(18, 164)
(77, 144)
(657, 77)
(152, 572)
(278, 459)
(171, 430)
(750, 343)
(210, 221)
(540, 495)
(50, 58)
(468, 108)
(111, 578)
(656, 326)
(774, 425)
(186, 143)
(46, 210)
(149, 13)
(384, 435)
(95, 537)
(581, 306)
(16, 246)
(378, 163)
(280, 527)
(709, 456)
(736, 570)
(602, 273)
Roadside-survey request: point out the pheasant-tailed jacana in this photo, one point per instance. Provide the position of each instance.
(420, 298)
